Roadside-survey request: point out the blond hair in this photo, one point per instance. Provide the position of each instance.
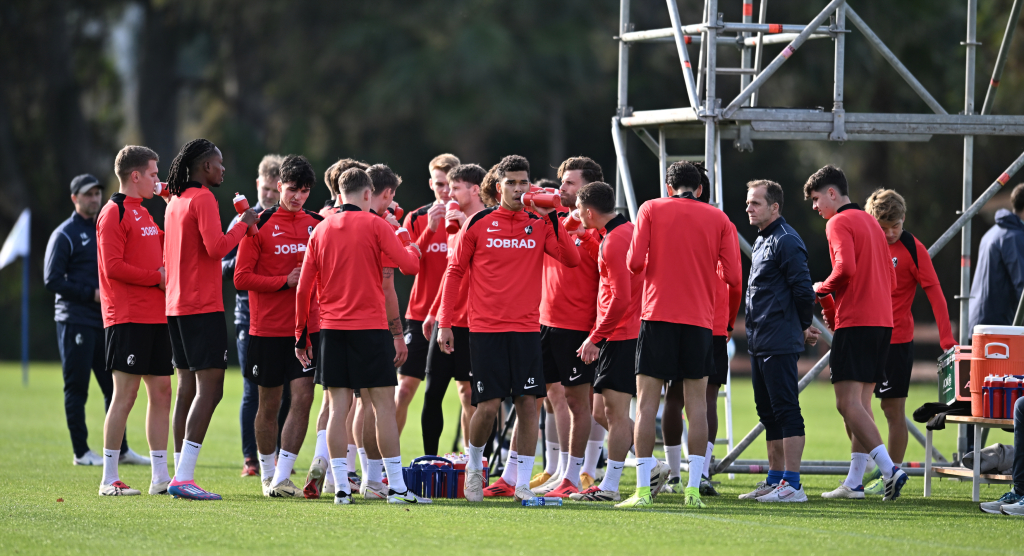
(443, 162)
(886, 205)
(270, 168)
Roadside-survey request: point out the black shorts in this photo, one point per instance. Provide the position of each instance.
(199, 341)
(416, 364)
(357, 359)
(138, 349)
(898, 366)
(506, 364)
(271, 362)
(561, 364)
(720, 354)
(859, 353)
(458, 364)
(616, 367)
(673, 351)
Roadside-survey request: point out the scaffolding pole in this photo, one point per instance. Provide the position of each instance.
(997, 72)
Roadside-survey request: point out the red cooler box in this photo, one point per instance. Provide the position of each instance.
(997, 350)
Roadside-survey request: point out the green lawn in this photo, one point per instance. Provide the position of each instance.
(50, 506)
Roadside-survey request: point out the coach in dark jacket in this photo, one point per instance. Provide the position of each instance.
(71, 272)
(778, 320)
(999, 280)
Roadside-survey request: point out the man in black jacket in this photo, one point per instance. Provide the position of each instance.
(71, 272)
(778, 318)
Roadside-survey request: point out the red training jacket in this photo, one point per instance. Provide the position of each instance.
(681, 241)
(194, 247)
(459, 315)
(727, 299)
(263, 264)
(913, 266)
(344, 259)
(618, 303)
(434, 246)
(863, 278)
(130, 251)
(568, 298)
(503, 251)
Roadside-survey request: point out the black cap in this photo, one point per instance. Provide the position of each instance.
(83, 182)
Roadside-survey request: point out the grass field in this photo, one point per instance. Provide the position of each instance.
(50, 506)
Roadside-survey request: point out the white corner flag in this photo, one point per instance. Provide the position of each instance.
(17, 243)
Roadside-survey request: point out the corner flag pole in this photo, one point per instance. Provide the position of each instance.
(24, 320)
(16, 245)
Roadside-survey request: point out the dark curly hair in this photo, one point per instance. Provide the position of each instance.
(296, 169)
(191, 154)
(683, 174)
(512, 163)
(469, 173)
(829, 176)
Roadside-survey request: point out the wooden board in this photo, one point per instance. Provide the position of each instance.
(1007, 423)
(969, 474)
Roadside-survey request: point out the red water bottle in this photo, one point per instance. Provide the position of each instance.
(161, 189)
(1013, 389)
(403, 234)
(986, 394)
(573, 221)
(998, 395)
(542, 200)
(300, 255)
(453, 225)
(242, 205)
(397, 211)
(828, 306)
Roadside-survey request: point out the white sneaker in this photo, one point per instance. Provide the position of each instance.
(659, 476)
(474, 487)
(524, 493)
(548, 486)
(784, 493)
(131, 458)
(407, 497)
(845, 492)
(286, 489)
(760, 490)
(88, 458)
(374, 490)
(159, 488)
(117, 488)
(266, 486)
(342, 499)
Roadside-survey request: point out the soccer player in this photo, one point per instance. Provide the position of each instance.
(913, 267)
(268, 268)
(267, 176)
(861, 284)
(612, 344)
(727, 304)
(681, 242)
(343, 262)
(568, 311)
(193, 248)
(132, 279)
(331, 175)
(502, 250)
(778, 315)
(427, 227)
(464, 187)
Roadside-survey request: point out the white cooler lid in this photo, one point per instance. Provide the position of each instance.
(1004, 330)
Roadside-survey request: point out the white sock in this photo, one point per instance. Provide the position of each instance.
(575, 468)
(591, 455)
(351, 457)
(158, 462)
(187, 466)
(563, 464)
(339, 466)
(396, 480)
(551, 467)
(321, 446)
(177, 458)
(285, 464)
(510, 474)
(858, 462)
(267, 466)
(673, 457)
(707, 459)
(363, 461)
(375, 470)
(883, 461)
(110, 458)
(524, 467)
(612, 476)
(696, 464)
(644, 466)
(476, 457)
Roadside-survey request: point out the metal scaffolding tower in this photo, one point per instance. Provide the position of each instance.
(741, 121)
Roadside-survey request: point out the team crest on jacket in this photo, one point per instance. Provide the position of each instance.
(309, 230)
(529, 230)
(894, 259)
